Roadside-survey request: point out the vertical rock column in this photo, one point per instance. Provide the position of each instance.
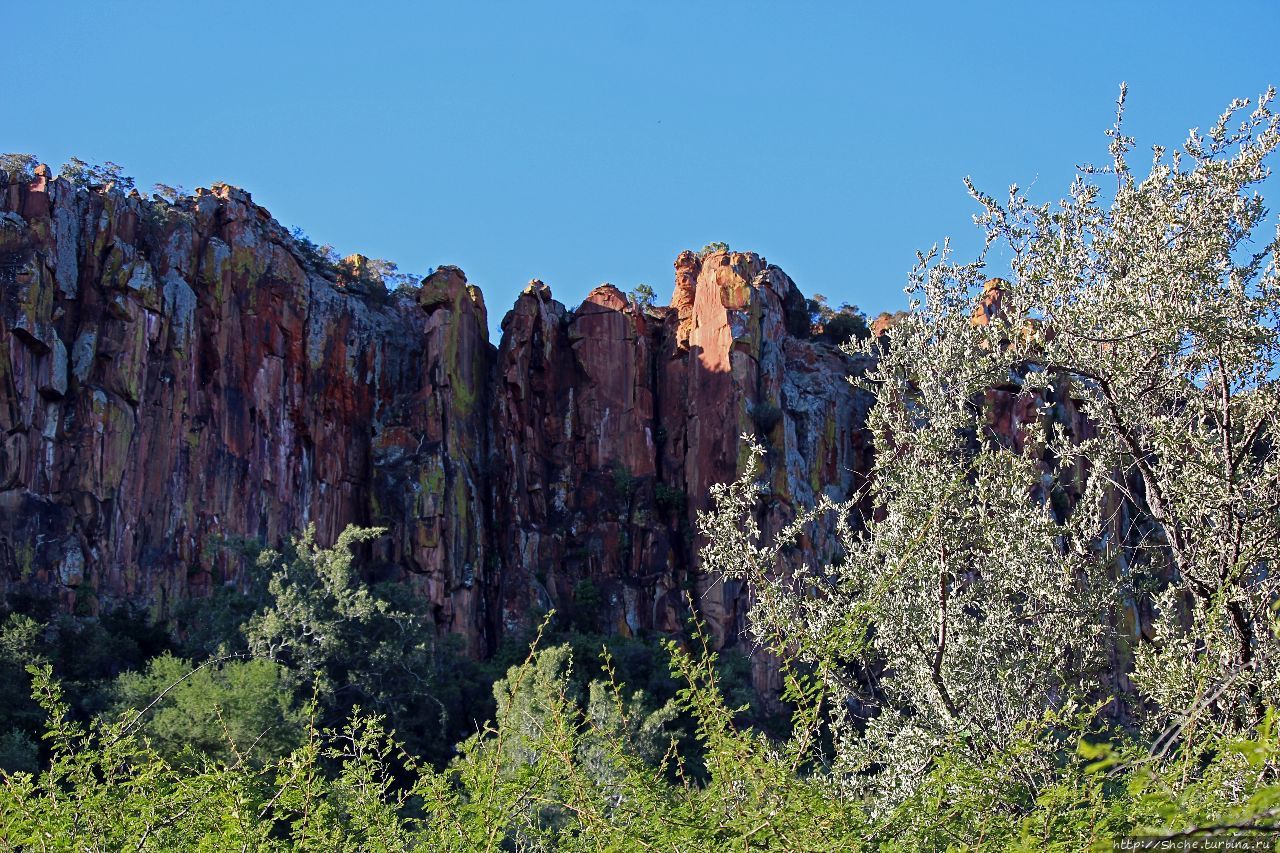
(430, 438)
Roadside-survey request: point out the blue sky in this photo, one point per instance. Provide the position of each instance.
(589, 142)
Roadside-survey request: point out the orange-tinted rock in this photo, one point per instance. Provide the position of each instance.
(688, 265)
(989, 305)
(883, 322)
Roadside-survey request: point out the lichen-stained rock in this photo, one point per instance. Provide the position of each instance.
(170, 375)
(174, 374)
(429, 444)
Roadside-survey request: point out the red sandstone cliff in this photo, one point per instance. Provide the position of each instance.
(172, 374)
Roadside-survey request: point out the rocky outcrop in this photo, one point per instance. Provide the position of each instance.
(172, 376)
(615, 422)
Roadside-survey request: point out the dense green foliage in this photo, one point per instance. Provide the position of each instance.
(223, 710)
(548, 773)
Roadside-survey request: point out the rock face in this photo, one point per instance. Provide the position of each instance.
(170, 375)
(612, 423)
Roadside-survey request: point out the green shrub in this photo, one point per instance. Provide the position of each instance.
(169, 194)
(669, 498)
(836, 325)
(643, 296)
(584, 612)
(624, 484)
(225, 710)
(18, 752)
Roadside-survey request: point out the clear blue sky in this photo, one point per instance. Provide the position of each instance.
(592, 141)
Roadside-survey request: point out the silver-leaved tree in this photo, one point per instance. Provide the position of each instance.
(1111, 547)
